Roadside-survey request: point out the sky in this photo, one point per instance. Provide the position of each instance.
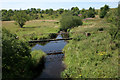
(56, 4)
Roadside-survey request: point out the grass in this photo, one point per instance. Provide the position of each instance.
(34, 29)
(92, 56)
(38, 61)
(37, 56)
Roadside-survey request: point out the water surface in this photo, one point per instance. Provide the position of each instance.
(53, 64)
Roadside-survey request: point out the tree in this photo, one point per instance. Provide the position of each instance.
(91, 12)
(39, 10)
(60, 11)
(84, 13)
(69, 21)
(74, 9)
(50, 11)
(20, 18)
(5, 16)
(15, 54)
(103, 11)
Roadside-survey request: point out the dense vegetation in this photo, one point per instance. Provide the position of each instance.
(94, 55)
(17, 61)
(33, 13)
(103, 11)
(69, 21)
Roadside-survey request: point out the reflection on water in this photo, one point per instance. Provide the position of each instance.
(53, 64)
(52, 46)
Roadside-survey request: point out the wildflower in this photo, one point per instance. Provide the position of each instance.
(80, 75)
(79, 14)
(102, 53)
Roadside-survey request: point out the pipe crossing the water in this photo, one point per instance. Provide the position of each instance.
(47, 40)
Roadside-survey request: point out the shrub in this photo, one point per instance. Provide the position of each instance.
(16, 58)
(37, 56)
(91, 13)
(68, 21)
(52, 35)
(103, 11)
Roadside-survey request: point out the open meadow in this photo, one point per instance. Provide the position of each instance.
(35, 29)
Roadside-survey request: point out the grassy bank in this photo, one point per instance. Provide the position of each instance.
(38, 61)
(91, 56)
(33, 29)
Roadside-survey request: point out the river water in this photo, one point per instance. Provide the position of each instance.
(53, 63)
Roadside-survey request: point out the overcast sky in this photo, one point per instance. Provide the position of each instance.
(55, 4)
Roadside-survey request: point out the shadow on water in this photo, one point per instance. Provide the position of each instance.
(53, 61)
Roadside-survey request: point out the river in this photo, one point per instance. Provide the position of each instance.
(54, 62)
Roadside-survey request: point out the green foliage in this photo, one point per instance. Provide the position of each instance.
(74, 9)
(15, 54)
(17, 61)
(5, 15)
(52, 35)
(91, 13)
(84, 13)
(103, 11)
(60, 11)
(37, 56)
(91, 57)
(20, 18)
(113, 17)
(68, 21)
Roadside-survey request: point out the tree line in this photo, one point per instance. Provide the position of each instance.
(34, 13)
(21, 16)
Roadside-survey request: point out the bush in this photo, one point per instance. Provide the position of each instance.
(37, 56)
(16, 58)
(91, 13)
(68, 21)
(52, 35)
(103, 11)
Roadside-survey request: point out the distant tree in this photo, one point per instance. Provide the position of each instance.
(33, 10)
(20, 18)
(28, 11)
(5, 16)
(84, 13)
(91, 12)
(42, 11)
(46, 11)
(50, 11)
(60, 11)
(106, 7)
(74, 9)
(10, 12)
(103, 11)
(39, 10)
(69, 21)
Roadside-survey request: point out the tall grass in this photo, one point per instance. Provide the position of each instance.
(92, 56)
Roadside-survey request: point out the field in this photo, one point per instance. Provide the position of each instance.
(34, 29)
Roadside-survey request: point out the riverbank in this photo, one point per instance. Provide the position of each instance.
(93, 55)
